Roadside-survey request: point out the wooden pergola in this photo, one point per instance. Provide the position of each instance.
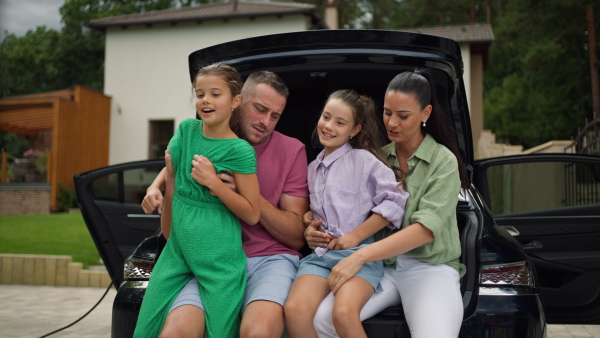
(79, 122)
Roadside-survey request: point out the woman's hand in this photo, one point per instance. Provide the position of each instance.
(344, 270)
(203, 171)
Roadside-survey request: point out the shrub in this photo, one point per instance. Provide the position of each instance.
(67, 199)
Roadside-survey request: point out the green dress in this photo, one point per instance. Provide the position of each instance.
(205, 239)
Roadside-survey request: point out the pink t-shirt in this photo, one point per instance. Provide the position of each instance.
(281, 169)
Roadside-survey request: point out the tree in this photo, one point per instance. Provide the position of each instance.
(45, 60)
(537, 86)
(29, 62)
(421, 13)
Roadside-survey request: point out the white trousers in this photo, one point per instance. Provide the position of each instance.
(430, 296)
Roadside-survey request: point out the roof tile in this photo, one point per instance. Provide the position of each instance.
(212, 11)
(476, 33)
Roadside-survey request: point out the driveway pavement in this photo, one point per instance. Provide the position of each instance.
(34, 311)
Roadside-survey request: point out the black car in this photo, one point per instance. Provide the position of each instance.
(530, 224)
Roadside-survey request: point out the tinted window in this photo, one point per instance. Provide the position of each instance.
(535, 187)
(128, 186)
(160, 135)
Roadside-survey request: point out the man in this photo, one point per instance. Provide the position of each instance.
(271, 245)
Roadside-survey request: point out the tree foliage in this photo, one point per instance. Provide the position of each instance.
(46, 59)
(29, 63)
(537, 85)
(537, 81)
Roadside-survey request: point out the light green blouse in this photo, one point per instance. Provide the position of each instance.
(433, 185)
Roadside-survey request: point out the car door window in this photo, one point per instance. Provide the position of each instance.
(128, 186)
(536, 187)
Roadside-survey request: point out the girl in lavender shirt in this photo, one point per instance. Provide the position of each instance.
(353, 193)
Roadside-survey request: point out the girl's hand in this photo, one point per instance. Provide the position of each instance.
(307, 218)
(313, 236)
(348, 241)
(203, 171)
(343, 271)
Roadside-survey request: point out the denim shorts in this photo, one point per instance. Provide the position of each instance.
(269, 278)
(312, 264)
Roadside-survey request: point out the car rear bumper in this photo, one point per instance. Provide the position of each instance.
(500, 312)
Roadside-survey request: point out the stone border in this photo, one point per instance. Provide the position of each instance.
(49, 270)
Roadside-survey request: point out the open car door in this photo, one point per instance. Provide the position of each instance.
(110, 200)
(551, 204)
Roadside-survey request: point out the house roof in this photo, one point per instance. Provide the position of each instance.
(31, 113)
(476, 33)
(212, 11)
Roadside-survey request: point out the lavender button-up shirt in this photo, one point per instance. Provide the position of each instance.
(347, 186)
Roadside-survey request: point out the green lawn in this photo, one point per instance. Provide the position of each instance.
(54, 234)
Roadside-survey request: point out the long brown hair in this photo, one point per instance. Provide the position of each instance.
(363, 111)
(420, 84)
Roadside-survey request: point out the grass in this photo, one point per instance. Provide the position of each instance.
(53, 234)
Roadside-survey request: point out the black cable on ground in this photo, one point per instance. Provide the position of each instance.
(87, 313)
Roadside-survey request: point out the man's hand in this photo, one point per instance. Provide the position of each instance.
(153, 200)
(228, 179)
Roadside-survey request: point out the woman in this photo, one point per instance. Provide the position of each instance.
(422, 258)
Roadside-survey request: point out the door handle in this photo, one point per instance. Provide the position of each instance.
(143, 216)
(511, 230)
(535, 244)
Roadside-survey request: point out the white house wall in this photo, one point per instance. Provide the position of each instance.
(146, 73)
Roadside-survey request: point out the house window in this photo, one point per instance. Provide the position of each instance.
(160, 135)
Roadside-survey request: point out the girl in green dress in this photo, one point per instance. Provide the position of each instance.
(205, 237)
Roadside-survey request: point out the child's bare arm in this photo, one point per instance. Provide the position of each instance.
(169, 185)
(246, 203)
(369, 227)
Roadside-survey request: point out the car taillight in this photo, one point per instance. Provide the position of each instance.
(507, 274)
(136, 268)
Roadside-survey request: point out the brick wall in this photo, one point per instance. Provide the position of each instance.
(49, 270)
(24, 198)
